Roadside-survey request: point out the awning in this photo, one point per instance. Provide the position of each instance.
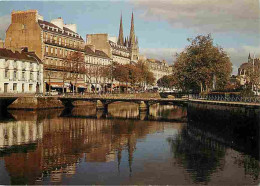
(59, 85)
(81, 85)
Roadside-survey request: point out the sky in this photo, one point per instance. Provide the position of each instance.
(162, 27)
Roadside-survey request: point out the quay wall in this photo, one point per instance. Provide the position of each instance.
(237, 126)
(35, 103)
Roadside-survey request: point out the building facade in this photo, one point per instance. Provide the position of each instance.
(121, 50)
(96, 61)
(20, 72)
(2, 44)
(158, 68)
(245, 68)
(52, 42)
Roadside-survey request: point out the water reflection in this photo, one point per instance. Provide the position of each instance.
(121, 146)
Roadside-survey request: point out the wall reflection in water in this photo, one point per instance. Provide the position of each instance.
(121, 146)
(51, 145)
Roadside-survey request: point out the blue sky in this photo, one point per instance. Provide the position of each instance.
(162, 27)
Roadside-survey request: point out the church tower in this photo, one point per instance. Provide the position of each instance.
(120, 40)
(132, 42)
(249, 58)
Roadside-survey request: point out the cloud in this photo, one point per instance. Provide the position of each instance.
(4, 23)
(237, 55)
(204, 16)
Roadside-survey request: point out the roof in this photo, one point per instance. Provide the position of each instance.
(118, 47)
(96, 53)
(23, 56)
(65, 29)
(154, 60)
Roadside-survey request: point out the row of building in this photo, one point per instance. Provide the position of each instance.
(33, 55)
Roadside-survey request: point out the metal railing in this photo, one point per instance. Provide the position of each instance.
(225, 98)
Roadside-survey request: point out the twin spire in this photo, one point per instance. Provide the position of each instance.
(121, 34)
(128, 41)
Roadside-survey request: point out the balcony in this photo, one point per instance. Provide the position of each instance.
(62, 44)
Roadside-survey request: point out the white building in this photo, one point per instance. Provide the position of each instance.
(96, 61)
(159, 68)
(20, 72)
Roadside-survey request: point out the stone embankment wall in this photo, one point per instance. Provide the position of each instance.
(34, 103)
(238, 127)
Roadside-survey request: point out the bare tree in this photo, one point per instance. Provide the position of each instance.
(76, 66)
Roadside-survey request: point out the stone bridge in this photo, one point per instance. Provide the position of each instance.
(103, 102)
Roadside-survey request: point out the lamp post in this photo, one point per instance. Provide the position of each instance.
(49, 75)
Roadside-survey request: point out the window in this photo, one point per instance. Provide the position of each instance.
(56, 51)
(51, 50)
(30, 87)
(14, 75)
(59, 41)
(31, 76)
(15, 87)
(6, 73)
(15, 64)
(38, 76)
(46, 49)
(23, 75)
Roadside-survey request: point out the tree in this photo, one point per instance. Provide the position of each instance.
(165, 81)
(253, 76)
(202, 66)
(147, 77)
(76, 66)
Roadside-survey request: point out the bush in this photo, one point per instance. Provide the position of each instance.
(247, 92)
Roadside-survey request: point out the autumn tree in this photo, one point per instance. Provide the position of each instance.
(76, 65)
(202, 66)
(147, 77)
(165, 81)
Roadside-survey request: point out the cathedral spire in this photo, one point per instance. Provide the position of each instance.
(132, 31)
(120, 40)
(249, 57)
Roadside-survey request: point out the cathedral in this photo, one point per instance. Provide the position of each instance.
(244, 69)
(121, 50)
(130, 42)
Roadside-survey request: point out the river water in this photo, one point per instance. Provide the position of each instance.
(123, 146)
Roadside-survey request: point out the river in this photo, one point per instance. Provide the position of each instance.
(122, 146)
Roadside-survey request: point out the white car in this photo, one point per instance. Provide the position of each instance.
(52, 93)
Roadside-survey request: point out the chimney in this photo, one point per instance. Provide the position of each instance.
(24, 49)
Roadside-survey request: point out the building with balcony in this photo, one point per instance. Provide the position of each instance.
(20, 72)
(96, 62)
(51, 41)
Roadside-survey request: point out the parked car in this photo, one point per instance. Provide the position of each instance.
(52, 93)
